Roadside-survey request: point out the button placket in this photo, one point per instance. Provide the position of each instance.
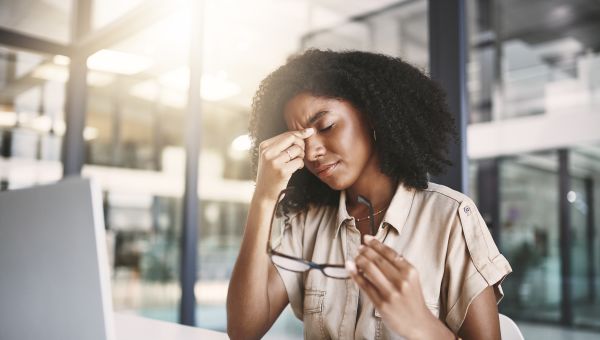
(354, 240)
(347, 325)
(381, 232)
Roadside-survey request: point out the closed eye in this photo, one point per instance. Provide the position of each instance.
(325, 129)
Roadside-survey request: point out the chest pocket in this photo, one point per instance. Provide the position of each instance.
(313, 301)
(381, 332)
(434, 308)
(314, 326)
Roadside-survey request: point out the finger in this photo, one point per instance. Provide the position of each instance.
(386, 252)
(283, 141)
(289, 155)
(278, 138)
(275, 148)
(364, 284)
(374, 275)
(293, 152)
(391, 272)
(293, 165)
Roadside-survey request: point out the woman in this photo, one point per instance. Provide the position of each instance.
(341, 126)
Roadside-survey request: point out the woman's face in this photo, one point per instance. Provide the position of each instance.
(341, 149)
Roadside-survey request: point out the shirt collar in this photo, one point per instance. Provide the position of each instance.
(342, 213)
(396, 214)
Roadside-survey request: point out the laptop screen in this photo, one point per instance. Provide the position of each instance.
(54, 275)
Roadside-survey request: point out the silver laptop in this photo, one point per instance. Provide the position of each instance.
(54, 275)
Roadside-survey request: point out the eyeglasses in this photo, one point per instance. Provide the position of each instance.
(280, 220)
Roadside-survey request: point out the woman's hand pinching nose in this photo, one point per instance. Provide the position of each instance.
(307, 132)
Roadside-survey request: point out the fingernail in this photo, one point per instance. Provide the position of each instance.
(309, 131)
(368, 238)
(351, 266)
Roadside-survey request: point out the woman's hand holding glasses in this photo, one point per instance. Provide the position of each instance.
(393, 285)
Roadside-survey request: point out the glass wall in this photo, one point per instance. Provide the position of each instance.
(533, 85)
(531, 58)
(137, 156)
(585, 259)
(32, 95)
(400, 29)
(529, 235)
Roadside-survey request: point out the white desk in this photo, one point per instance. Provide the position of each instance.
(133, 327)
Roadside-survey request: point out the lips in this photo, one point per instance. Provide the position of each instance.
(327, 169)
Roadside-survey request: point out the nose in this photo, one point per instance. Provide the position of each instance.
(313, 149)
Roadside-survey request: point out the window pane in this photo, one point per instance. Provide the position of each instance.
(539, 59)
(401, 30)
(49, 19)
(530, 236)
(532, 58)
(32, 95)
(107, 11)
(585, 257)
(135, 150)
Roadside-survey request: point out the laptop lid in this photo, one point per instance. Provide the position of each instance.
(54, 275)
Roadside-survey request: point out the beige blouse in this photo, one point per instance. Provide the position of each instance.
(438, 230)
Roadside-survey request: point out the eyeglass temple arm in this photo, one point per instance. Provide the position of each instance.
(365, 201)
(282, 193)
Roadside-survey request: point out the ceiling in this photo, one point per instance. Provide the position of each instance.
(537, 21)
(245, 40)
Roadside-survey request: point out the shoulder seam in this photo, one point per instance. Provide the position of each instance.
(450, 197)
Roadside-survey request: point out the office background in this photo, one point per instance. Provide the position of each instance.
(152, 99)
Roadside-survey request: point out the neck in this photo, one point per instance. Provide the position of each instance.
(377, 187)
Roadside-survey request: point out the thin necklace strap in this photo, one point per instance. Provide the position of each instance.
(369, 217)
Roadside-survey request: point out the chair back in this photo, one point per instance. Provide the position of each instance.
(509, 329)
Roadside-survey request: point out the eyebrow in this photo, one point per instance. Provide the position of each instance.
(316, 117)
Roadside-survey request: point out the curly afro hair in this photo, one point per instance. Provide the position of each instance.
(407, 110)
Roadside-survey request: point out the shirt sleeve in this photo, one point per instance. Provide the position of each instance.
(473, 263)
(290, 244)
